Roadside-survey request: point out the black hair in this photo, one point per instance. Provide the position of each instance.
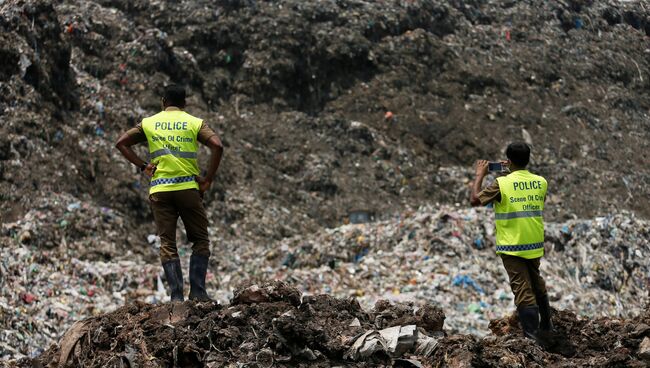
(518, 153)
(174, 95)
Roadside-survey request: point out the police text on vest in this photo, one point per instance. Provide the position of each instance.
(527, 185)
(168, 125)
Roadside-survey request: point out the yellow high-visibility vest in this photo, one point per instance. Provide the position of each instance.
(173, 147)
(519, 215)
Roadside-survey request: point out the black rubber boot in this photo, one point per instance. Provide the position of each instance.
(198, 270)
(529, 319)
(174, 275)
(545, 323)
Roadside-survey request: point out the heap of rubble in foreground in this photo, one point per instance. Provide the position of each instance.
(273, 325)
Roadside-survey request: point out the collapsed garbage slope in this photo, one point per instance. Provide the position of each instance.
(299, 92)
(272, 325)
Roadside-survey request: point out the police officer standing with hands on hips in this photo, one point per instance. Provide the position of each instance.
(518, 200)
(176, 189)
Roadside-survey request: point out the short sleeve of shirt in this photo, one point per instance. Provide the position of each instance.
(205, 133)
(137, 133)
(490, 194)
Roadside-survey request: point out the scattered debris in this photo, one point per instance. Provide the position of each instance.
(315, 333)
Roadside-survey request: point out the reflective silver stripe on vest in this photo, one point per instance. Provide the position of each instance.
(165, 151)
(519, 248)
(520, 214)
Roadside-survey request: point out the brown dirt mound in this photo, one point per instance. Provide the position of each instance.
(316, 331)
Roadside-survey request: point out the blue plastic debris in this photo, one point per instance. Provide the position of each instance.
(478, 242)
(465, 281)
(578, 23)
(58, 136)
(360, 255)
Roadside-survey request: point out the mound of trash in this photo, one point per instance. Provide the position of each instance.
(327, 107)
(273, 325)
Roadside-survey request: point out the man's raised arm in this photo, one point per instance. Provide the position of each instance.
(481, 172)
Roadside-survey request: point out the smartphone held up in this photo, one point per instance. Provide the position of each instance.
(496, 167)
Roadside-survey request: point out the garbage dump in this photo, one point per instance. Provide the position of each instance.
(350, 128)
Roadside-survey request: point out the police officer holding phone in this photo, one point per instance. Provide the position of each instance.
(518, 200)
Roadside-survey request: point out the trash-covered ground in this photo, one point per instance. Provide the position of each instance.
(332, 113)
(440, 256)
(272, 325)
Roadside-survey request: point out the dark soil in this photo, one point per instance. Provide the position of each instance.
(260, 331)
